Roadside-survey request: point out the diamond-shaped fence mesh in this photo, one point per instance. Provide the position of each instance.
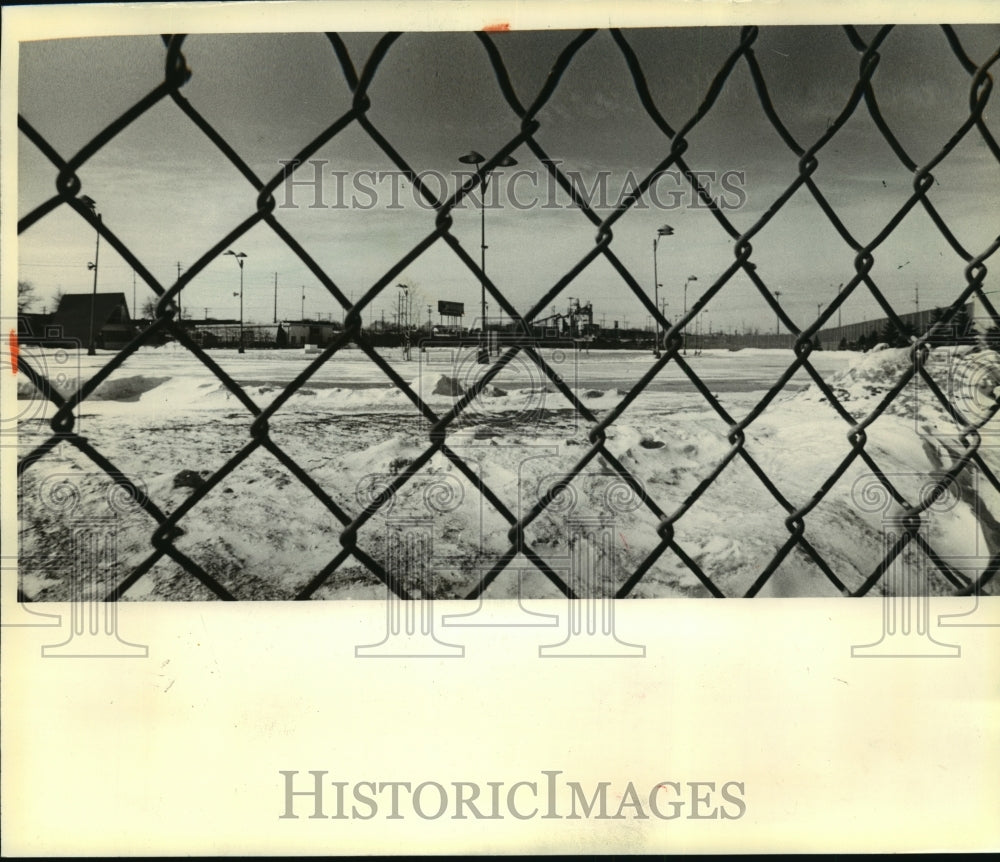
(357, 517)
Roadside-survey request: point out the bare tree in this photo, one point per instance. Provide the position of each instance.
(26, 296)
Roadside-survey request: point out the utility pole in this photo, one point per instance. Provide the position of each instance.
(777, 317)
(92, 204)
(134, 309)
(666, 230)
(179, 315)
(276, 297)
(690, 278)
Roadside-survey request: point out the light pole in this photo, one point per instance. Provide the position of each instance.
(91, 204)
(240, 257)
(666, 230)
(403, 306)
(777, 317)
(179, 314)
(690, 278)
(474, 158)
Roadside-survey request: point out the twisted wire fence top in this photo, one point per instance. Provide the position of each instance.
(359, 74)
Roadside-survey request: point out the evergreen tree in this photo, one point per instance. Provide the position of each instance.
(895, 336)
(964, 327)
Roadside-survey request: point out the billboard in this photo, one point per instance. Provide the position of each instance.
(451, 309)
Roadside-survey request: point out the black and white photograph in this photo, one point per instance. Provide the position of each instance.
(644, 313)
(476, 327)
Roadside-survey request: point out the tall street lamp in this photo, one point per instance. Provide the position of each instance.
(239, 259)
(474, 158)
(403, 316)
(666, 230)
(91, 204)
(690, 278)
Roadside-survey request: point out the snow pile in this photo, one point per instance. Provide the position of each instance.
(114, 389)
(968, 377)
(264, 535)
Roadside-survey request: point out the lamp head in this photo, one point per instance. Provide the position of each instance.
(472, 158)
(666, 230)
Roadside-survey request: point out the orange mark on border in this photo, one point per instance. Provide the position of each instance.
(13, 350)
(623, 541)
(499, 27)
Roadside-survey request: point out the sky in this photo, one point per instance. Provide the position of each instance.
(169, 194)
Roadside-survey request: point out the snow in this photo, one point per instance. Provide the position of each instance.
(262, 534)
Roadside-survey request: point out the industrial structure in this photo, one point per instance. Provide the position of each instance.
(113, 328)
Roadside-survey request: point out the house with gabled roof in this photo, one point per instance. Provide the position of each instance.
(71, 321)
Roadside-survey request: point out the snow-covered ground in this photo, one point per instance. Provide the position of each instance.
(166, 422)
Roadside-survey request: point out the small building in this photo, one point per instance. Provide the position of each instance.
(32, 326)
(70, 324)
(299, 333)
(226, 333)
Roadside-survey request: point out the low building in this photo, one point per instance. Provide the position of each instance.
(70, 324)
(853, 335)
(226, 333)
(299, 333)
(33, 326)
(288, 333)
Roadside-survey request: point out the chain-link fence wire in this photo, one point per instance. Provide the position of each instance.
(439, 425)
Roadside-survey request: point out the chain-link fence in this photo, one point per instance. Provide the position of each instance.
(508, 526)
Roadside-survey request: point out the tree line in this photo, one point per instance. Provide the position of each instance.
(960, 330)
